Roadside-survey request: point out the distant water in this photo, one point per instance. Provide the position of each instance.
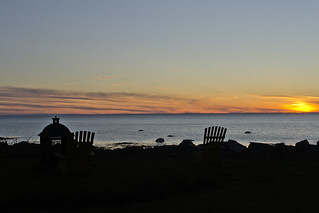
(110, 129)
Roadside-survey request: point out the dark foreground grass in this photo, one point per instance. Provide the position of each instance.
(148, 182)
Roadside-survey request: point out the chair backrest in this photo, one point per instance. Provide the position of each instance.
(84, 137)
(80, 143)
(84, 141)
(214, 134)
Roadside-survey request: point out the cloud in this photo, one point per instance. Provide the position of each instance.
(16, 100)
(28, 100)
(106, 77)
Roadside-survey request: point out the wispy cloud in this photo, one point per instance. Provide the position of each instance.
(105, 77)
(312, 99)
(15, 100)
(25, 100)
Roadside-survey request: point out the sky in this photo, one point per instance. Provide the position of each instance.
(167, 56)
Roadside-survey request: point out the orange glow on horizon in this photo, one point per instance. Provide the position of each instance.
(301, 107)
(44, 101)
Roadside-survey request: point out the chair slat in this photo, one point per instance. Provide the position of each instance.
(205, 136)
(219, 135)
(84, 136)
(211, 134)
(88, 137)
(76, 136)
(215, 134)
(92, 137)
(80, 139)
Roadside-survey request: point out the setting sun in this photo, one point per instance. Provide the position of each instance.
(301, 107)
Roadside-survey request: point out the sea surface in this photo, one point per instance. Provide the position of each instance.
(113, 131)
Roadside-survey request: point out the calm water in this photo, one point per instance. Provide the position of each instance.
(110, 129)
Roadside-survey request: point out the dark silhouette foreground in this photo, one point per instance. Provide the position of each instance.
(160, 179)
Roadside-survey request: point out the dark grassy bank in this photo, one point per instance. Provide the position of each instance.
(154, 180)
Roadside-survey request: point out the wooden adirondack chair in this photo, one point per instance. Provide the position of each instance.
(78, 156)
(214, 134)
(212, 144)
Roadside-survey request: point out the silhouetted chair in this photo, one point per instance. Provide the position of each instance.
(78, 156)
(213, 142)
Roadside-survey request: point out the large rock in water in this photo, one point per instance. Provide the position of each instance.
(160, 140)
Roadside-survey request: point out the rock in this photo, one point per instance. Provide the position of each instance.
(234, 146)
(187, 145)
(160, 140)
(280, 145)
(260, 150)
(187, 140)
(124, 143)
(304, 144)
(307, 151)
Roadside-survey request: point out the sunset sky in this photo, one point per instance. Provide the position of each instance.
(165, 56)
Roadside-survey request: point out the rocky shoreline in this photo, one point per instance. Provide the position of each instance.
(230, 149)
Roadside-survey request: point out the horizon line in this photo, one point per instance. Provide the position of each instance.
(220, 113)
